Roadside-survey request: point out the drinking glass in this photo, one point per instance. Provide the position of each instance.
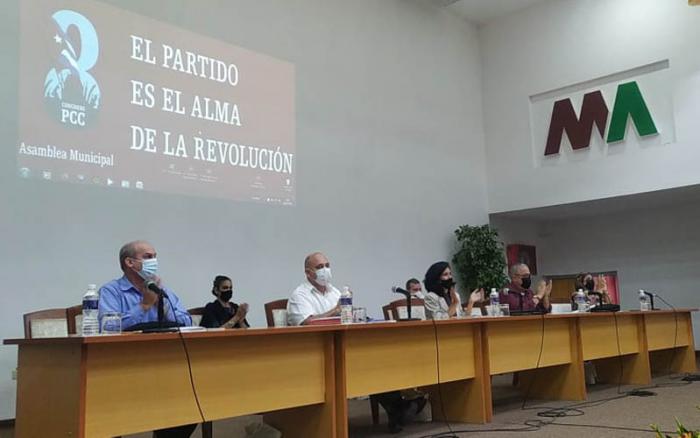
(505, 309)
(111, 323)
(359, 314)
(493, 310)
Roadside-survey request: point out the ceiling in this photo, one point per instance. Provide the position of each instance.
(689, 195)
(483, 11)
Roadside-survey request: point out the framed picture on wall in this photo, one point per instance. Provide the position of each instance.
(518, 253)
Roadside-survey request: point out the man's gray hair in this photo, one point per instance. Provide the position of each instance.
(128, 250)
(308, 258)
(515, 268)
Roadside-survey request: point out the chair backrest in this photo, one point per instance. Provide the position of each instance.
(74, 318)
(399, 308)
(276, 313)
(196, 314)
(388, 314)
(49, 323)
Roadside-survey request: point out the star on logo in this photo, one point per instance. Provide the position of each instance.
(58, 39)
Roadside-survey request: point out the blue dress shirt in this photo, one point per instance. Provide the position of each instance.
(121, 296)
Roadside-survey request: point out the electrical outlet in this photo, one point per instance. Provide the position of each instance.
(14, 374)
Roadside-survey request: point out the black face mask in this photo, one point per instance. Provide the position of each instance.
(447, 283)
(225, 295)
(527, 282)
(590, 284)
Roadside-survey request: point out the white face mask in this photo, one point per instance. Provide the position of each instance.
(149, 268)
(323, 276)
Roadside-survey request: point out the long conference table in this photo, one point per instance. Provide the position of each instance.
(300, 378)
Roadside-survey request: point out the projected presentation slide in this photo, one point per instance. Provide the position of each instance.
(112, 98)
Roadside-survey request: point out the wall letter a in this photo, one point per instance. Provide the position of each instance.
(629, 101)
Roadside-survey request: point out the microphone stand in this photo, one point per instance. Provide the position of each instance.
(161, 309)
(408, 305)
(651, 299)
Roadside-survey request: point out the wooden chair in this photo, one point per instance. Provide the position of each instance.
(196, 313)
(272, 306)
(74, 317)
(399, 308)
(48, 323)
(388, 314)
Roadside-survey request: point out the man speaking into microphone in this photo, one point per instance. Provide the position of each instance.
(136, 294)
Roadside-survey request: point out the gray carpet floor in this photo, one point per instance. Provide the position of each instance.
(673, 399)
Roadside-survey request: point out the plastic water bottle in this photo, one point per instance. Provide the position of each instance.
(346, 306)
(91, 300)
(644, 304)
(495, 301)
(580, 299)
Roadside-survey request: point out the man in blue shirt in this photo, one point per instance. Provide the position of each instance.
(129, 296)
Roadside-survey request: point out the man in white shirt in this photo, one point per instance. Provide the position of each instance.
(316, 297)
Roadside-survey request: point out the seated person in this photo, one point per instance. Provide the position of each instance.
(441, 294)
(223, 312)
(129, 295)
(520, 297)
(589, 284)
(137, 304)
(413, 286)
(316, 297)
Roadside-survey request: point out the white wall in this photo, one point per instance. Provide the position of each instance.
(655, 249)
(389, 149)
(561, 43)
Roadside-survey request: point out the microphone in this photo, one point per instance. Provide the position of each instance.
(407, 294)
(399, 290)
(651, 296)
(152, 286)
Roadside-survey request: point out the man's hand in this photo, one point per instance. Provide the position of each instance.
(148, 299)
(541, 289)
(334, 311)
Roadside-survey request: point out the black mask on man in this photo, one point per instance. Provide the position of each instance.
(225, 295)
(527, 282)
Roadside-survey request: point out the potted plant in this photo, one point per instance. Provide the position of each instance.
(681, 431)
(480, 258)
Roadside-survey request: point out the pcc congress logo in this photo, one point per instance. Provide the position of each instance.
(71, 92)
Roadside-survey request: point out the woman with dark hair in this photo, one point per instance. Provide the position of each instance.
(588, 284)
(441, 293)
(223, 312)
